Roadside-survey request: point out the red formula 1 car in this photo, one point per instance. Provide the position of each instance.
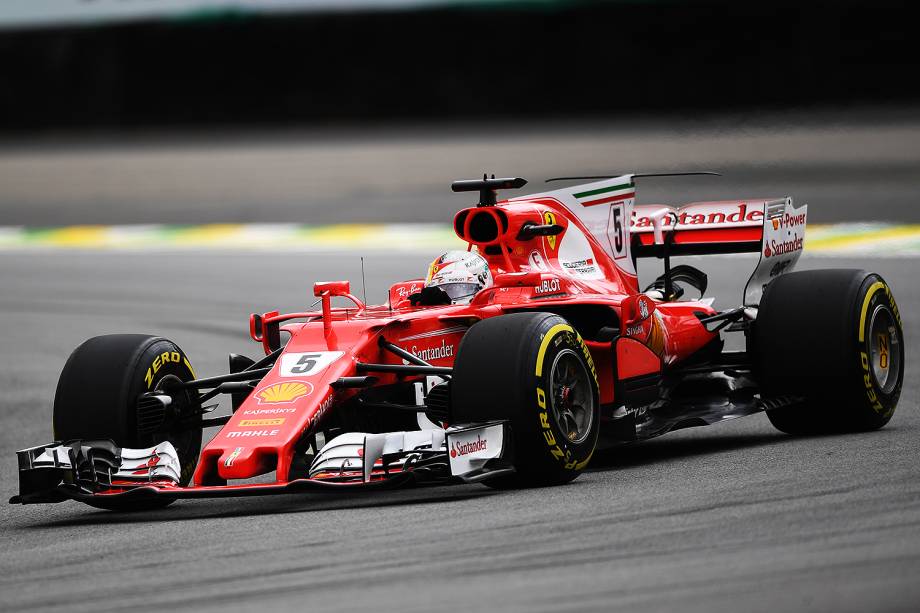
(510, 364)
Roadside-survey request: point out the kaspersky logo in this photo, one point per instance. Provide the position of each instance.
(461, 449)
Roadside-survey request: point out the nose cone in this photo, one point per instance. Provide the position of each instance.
(244, 462)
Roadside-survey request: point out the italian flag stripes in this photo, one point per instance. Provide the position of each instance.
(603, 195)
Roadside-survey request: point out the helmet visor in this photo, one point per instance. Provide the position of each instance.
(459, 291)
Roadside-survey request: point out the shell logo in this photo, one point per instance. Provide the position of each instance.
(288, 391)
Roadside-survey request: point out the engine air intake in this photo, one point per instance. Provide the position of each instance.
(481, 226)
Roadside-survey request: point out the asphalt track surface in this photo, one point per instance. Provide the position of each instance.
(732, 517)
(856, 165)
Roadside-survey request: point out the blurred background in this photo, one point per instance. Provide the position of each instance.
(170, 166)
(318, 112)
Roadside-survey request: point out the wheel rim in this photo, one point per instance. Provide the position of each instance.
(184, 440)
(884, 349)
(572, 396)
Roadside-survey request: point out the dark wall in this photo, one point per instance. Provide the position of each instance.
(588, 58)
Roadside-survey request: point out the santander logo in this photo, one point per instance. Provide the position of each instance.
(461, 449)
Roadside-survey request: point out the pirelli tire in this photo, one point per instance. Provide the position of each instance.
(832, 339)
(534, 370)
(97, 393)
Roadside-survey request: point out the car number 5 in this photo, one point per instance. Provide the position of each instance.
(307, 364)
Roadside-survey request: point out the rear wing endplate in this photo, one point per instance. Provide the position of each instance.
(781, 245)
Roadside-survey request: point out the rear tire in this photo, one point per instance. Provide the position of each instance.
(97, 393)
(534, 370)
(834, 339)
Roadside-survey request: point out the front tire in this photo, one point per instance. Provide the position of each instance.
(534, 370)
(97, 393)
(834, 339)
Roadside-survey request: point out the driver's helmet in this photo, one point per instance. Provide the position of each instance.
(459, 274)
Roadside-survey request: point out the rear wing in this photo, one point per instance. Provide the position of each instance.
(700, 228)
(773, 228)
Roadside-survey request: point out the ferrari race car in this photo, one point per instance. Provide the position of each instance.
(508, 365)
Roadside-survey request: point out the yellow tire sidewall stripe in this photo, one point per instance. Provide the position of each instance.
(550, 335)
(865, 308)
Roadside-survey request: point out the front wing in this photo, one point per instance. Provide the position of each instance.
(99, 471)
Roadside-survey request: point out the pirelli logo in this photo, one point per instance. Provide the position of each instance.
(261, 422)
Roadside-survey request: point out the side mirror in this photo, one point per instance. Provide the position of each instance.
(335, 288)
(255, 327)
